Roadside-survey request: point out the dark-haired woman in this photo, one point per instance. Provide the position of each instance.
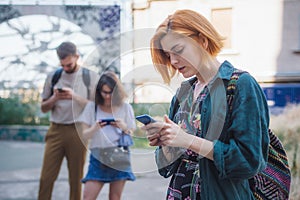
(109, 104)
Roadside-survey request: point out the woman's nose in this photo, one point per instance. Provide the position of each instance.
(173, 58)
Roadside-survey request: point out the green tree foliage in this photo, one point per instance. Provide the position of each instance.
(15, 111)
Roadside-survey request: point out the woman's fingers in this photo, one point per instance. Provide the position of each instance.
(161, 133)
(155, 141)
(101, 124)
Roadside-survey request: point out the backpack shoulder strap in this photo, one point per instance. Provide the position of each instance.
(86, 79)
(55, 78)
(232, 86)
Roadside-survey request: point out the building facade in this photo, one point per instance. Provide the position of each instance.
(262, 37)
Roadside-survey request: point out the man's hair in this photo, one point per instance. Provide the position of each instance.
(66, 49)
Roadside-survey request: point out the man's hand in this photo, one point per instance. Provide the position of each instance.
(63, 93)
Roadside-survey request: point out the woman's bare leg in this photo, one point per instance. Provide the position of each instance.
(116, 189)
(92, 189)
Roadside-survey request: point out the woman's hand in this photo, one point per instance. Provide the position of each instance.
(170, 134)
(119, 123)
(99, 125)
(174, 136)
(153, 132)
(167, 133)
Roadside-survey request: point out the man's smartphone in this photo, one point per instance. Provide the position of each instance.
(108, 120)
(60, 90)
(145, 119)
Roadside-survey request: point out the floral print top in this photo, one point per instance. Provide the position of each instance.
(188, 117)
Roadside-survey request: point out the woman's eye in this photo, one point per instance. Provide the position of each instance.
(167, 54)
(178, 50)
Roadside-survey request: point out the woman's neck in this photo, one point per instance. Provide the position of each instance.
(208, 72)
(106, 108)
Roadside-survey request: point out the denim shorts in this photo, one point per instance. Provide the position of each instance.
(100, 172)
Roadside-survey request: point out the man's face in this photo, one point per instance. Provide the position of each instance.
(69, 63)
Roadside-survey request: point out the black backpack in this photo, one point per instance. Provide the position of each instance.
(85, 77)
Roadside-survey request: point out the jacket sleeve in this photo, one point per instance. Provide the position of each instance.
(167, 167)
(244, 151)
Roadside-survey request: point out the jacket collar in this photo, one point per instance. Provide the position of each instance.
(225, 71)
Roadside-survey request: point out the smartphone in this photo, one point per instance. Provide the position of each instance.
(108, 120)
(145, 119)
(60, 90)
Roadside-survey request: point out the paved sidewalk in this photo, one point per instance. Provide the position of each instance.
(21, 165)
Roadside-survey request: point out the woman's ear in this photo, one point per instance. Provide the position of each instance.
(203, 41)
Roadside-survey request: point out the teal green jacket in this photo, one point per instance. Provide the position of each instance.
(240, 139)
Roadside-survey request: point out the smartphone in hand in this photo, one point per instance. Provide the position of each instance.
(145, 119)
(108, 120)
(60, 90)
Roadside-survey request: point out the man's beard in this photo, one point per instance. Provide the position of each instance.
(73, 70)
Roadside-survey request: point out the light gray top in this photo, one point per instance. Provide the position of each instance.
(107, 136)
(65, 111)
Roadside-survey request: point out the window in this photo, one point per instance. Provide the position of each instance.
(221, 18)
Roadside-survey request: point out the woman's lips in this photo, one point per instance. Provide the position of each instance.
(180, 69)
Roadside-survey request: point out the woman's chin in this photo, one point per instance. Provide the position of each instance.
(187, 75)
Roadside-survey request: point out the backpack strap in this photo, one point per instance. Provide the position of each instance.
(231, 87)
(56, 76)
(85, 77)
(86, 80)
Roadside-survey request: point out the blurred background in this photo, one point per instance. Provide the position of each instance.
(262, 37)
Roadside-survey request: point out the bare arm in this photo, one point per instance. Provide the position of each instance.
(89, 131)
(48, 104)
(199, 145)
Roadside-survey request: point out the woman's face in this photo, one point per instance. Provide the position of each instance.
(106, 93)
(184, 54)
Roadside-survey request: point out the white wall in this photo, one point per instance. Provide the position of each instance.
(265, 34)
(258, 29)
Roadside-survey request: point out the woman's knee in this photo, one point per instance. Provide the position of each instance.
(91, 190)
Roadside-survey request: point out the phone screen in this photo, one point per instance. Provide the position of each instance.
(108, 121)
(145, 119)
